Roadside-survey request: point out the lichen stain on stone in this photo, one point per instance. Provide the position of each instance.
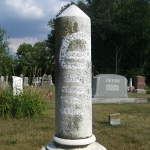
(73, 125)
(78, 45)
(75, 27)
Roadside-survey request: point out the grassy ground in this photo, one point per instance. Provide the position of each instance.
(32, 133)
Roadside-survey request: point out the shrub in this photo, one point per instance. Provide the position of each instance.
(19, 106)
(147, 88)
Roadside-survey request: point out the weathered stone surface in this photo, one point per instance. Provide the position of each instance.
(73, 117)
(73, 75)
(114, 119)
(17, 85)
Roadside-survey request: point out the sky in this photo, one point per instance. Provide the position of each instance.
(25, 21)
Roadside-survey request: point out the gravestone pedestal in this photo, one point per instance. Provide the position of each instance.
(93, 146)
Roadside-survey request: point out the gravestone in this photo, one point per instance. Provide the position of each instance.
(131, 88)
(73, 117)
(110, 88)
(140, 84)
(17, 85)
(6, 82)
(114, 119)
(37, 81)
(46, 80)
(26, 81)
(1, 81)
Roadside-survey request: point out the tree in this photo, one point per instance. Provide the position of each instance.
(5, 58)
(120, 33)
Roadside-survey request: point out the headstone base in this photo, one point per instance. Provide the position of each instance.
(93, 146)
(113, 100)
(140, 91)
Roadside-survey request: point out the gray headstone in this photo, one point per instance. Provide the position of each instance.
(6, 80)
(110, 88)
(26, 81)
(46, 81)
(109, 85)
(17, 85)
(2, 79)
(73, 81)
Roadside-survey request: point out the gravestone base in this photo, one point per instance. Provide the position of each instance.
(112, 100)
(140, 91)
(93, 146)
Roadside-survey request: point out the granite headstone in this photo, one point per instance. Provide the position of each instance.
(109, 88)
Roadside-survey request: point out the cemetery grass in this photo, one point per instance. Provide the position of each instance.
(32, 133)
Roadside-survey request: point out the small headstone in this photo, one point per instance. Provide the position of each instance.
(37, 81)
(140, 84)
(6, 82)
(114, 119)
(131, 88)
(26, 83)
(17, 85)
(46, 80)
(2, 79)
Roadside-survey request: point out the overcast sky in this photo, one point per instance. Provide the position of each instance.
(25, 21)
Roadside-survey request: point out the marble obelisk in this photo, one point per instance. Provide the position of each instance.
(73, 112)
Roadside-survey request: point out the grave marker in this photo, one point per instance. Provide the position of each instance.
(26, 83)
(73, 82)
(17, 85)
(110, 88)
(140, 84)
(114, 119)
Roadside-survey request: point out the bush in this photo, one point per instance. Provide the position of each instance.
(19, 106)
(147, 88)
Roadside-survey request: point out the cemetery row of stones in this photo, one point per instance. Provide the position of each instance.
(44, 81)
(105, 83)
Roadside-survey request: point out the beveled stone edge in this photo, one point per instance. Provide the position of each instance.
(78, 142)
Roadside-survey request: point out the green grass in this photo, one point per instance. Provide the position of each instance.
(32, 133)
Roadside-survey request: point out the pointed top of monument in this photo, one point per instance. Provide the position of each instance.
(73, 10)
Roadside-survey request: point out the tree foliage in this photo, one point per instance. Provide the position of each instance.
(120, 33)
(35, 60)
(5, 58)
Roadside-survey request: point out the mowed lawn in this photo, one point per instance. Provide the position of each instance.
(32, 133)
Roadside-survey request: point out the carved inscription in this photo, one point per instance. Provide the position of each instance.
(112, 87)
(69, 99)
(74, 47)
(113, 80)
(71, 111)
(74, 54)
(73, 89)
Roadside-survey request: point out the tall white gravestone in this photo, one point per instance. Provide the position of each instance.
(17, 85)
(73, 83)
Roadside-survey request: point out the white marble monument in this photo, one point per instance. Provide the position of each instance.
(17, 85)
(73, 117)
